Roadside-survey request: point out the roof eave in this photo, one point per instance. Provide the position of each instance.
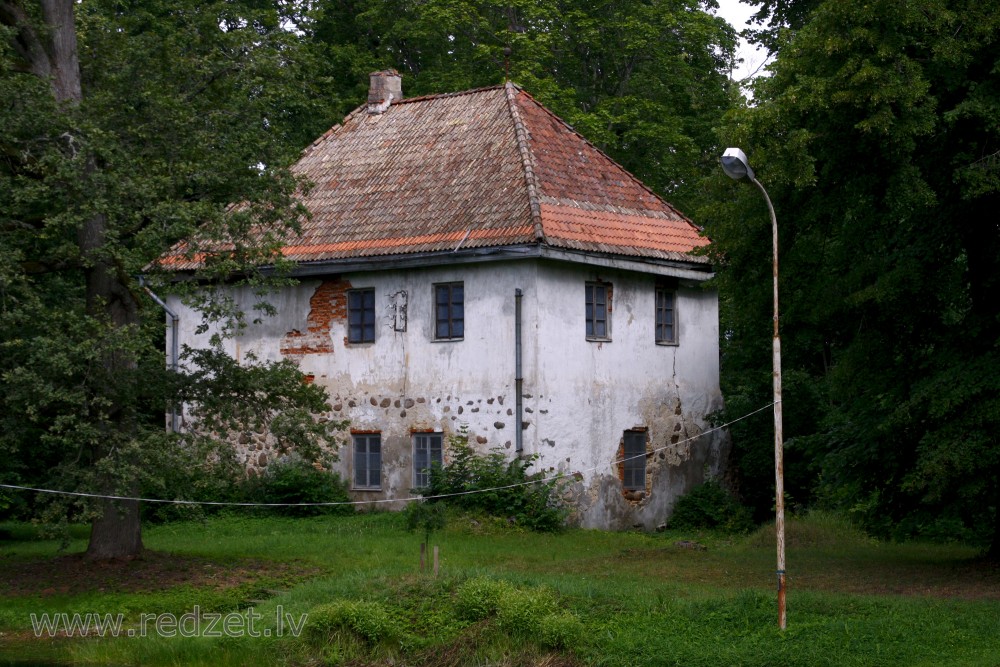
(698, 271)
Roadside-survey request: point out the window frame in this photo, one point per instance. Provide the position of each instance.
(422, 476)
(665, 291)
(367, 439)
(361, 292)
(449, 320)
(634, 462)
(591, 305)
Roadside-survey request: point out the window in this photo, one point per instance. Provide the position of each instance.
(361, 316)
(426, 452)
(367, 461)
(597, 311)
(666, 323)
(449, 311)
(634, 463)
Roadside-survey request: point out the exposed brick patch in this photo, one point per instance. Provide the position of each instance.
(327, 304)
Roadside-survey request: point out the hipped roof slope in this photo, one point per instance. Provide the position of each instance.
(483, 168)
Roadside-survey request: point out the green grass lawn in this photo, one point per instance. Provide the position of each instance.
(505, 597)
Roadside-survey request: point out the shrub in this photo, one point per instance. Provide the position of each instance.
(709, 505)
(519, 612)
(425, 516)
(291, 479)
(479, 598)
(369, 621)
(561, 630)
(215, 478)
(498, 487)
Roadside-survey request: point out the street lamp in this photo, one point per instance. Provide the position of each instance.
(734, 163)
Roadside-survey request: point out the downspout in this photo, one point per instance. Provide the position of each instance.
(175, 321)
(518, 377)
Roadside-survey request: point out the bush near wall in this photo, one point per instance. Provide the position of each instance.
(711, 506)
(490, 483)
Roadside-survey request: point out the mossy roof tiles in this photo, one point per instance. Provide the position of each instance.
(483, 168)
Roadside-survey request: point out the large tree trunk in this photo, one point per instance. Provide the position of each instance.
(117, 532)
(65, 62)
(50, 53)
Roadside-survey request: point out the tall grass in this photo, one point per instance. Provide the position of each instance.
(577, 597)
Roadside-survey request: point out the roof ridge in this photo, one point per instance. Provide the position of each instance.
(333, 130)
(610, 159)
(521, 135)
(438, 96)
(363, 107)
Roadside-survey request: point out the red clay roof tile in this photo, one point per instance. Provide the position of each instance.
(484, 168)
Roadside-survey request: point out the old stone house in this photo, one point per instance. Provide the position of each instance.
(473, 261)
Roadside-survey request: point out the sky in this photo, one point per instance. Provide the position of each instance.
(738, 14)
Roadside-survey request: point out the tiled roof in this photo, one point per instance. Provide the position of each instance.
(483, 168)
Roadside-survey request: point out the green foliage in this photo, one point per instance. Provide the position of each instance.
(912, 601)
(646, 82)
(492, 484)
(710, 505)
(520, 611)
(370, 621)
(481, 597)
(163, 114)
(561, 631)
(428, 517)
(876, 138)
(293, 479)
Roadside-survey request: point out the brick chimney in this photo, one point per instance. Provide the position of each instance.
(385, 88)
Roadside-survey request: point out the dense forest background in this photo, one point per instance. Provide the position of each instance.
(128, 124)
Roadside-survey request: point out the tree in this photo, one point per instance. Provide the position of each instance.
(877, 137)
(129, 126)
(644, 81)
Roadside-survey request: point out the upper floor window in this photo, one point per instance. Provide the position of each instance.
(597, 297)
(427, 451)
(449, 311)
(367, 461)
(666, 316)
(361, 316)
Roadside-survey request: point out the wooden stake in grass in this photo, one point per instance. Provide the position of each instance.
(430, 517)
(435, 561)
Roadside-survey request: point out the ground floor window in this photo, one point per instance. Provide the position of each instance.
(634, 461)
(427, 450)
(367, 460)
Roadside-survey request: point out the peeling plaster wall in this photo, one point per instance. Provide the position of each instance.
(579, 396)
(586, 394)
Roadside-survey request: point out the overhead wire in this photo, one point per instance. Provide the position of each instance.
(541, 480)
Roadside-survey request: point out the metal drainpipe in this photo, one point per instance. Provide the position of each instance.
(174, 325)
(518, 378)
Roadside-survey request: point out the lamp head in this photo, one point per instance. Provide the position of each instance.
(735, 164)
